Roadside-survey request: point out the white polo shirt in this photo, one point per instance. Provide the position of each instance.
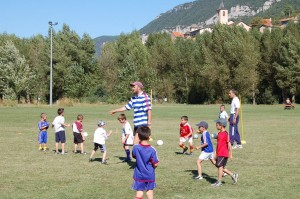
(234, 105)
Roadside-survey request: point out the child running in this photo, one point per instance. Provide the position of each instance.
(223, 151)
(43, 135)
(100, 136)
(186, 135)
(146, 162)
(127, 136)
(206, 147)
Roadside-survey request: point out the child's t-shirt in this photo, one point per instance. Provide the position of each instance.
(77, 127)
(185, 130)
(100, 135)
(205, 138)
(145, 156)
(42, 124)
(57, 122)
(128, 130)
(222, 144)
(223, 115)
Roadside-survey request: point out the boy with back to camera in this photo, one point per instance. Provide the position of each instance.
(223, 151)
(146, 162)
(43, 135)
(100, 136)
(206, 147)
(78, 134)
(186, 135)
(127, 135)
(60, 134)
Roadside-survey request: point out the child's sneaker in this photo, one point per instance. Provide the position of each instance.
(191, 154)
(235, 178)
(40, 149)
(64, 153)
(84, 153)
(224, 174)
(104, 162)
(57, 152)
(198, 178)
(185, 150)
(217, 184)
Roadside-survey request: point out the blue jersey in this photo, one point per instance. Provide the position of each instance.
(141, 105)
(42, 124)
(145, 156)
(205, 138)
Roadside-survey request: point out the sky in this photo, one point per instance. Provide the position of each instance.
(27, 18)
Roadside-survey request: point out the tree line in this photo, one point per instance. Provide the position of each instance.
(263, 67)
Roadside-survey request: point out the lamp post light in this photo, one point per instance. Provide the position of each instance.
(51, 27)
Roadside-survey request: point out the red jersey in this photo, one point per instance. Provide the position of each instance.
(185, 130)
(222, 144)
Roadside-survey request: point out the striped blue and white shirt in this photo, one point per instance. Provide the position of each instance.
(141, 105)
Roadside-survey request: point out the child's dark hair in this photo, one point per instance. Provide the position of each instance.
(60, 111)
(79, 117)
(144, 132)
(186, 118)
(122, 116)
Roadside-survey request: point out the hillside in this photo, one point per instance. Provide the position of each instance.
(99, 41)
(202, 12)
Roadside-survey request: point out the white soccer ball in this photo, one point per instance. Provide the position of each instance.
(214, 135)
(159, 142)
(196, 136)
(85, 134)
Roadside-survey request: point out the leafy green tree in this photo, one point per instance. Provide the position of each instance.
(15, 72)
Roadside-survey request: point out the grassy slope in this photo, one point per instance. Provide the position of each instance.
(268, 165)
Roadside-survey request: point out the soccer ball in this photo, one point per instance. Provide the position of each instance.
(214, 135)
(85, 134)
(159, 142)
(196, 136)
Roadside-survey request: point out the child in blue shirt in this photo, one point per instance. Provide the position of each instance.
(43, 125)
(206, 147)
(146, 162)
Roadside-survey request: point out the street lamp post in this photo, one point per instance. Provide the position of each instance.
(51, 24)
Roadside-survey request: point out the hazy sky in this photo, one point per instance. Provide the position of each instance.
(26, 18)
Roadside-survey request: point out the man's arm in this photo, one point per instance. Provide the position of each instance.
(122, 109)
(237, 111)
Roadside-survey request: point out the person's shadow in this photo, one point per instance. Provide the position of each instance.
(205, 176)
(131, 164)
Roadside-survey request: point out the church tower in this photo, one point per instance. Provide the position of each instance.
(222, 14)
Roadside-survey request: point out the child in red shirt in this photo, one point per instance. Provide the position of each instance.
(186, 135)
(223, 151)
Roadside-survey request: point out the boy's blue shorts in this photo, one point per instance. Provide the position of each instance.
(143, 186)
(43, 137)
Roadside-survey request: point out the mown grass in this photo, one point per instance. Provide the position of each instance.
(268, 165)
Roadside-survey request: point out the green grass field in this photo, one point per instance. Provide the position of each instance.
(268, 165)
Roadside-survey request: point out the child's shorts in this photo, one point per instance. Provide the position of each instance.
(182, 139)
(143, 186)
(221, 161)
(60, 136)
(77, 138)
(102, 147)
(206, 156)
(43, 137)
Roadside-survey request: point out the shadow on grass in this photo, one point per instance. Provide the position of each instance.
(130, 163)
(178, 153)
(205, 176)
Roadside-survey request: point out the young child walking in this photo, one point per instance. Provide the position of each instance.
(146, 162)
(127, 136)
(186, 135)
(206, 146)
(100, 136)
(78, 134)
(43, 125)
(60, 134)
(223, 151)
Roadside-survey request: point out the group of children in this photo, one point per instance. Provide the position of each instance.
(144, 153)
(223, 150)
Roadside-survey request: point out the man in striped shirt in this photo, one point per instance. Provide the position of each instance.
(141, 104)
